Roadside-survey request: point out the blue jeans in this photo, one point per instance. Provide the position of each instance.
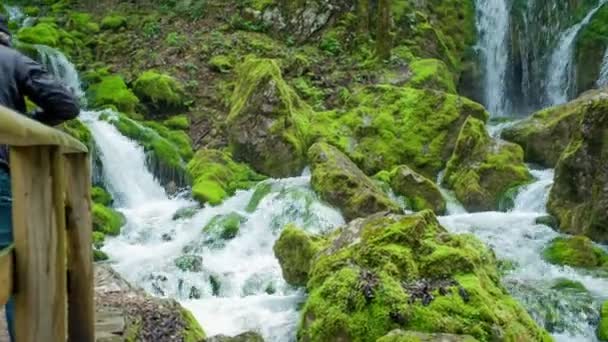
(6, 235)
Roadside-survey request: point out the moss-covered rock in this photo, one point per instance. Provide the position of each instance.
(161, 93)
(189, 263)
(578, 198)
(221, 63)
(602, 330)
(387, 126)
(42, 33)
(420, 192)
(590, 46)
(192, 330)
(431, 74)
(107, 220)
(389, 272)
(295, 250)
(342, 184)
(569, 285)
(548, 221)
(482, 169)
(260, 192)
(578, 251)
(112, 91)
(414, 336)
(545, 134)
(185, 213)
(113, 22)
(216, 176)
(267, 122)
(178, 122)
(78, 130)
(99, 255)
(101, 196)
(244, 337)
(82, 22)
(222, 228)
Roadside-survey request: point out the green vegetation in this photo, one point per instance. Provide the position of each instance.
(107, 220)
(161, 90)
(112, 91)
(101, 196)
(113, 22)
(192, 331)
(602, 331)
(577, 251)
(431, 74)
(296, 251)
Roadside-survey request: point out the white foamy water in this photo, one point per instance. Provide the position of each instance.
(492, 21)
(602, 79)
(58, 64)
(561, 78)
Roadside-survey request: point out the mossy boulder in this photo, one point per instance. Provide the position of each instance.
(113, 22)
(221, 63)
(590, 46)
(78, 130)
(167, 150)
(431, 74)
(160, 93)
(602, 330)
(191, 329)
(41, 33)
(545, 134)
(267, 122)
(482, 169)
(99, 255)
(578, 198)
(388, 272)
(222, 228)
(189, 263)
(548, 221)
(178, 122)
(107, 220)
(577, 251)
(386, 126)
(185, 213)
(249, 336)
(295, 250)
(415, 336)
(342, 184)
(82, 22)
(564, 284)
(260, 192)
(420, 192)
(112, 91)
(216, 176)
(101, 196)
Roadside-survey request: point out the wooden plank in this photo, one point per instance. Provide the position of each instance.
(59, 202)
(38, 315)
(19, 130)
(6, 274)
(81, 303)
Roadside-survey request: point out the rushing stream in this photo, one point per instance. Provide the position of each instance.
(239, 286)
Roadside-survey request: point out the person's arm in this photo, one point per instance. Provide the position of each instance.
(58, 104)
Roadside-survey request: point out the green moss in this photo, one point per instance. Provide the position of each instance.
(178, 138)
(602, 330)
(112, 91)
(160, 89)
(415, 336)
(216, 176)
(223, 227)
(42, 33)
(99, 255)
(82, 22)
(192, 331)
(420, 192)
(31, 11)
(341, 183)
(221, 63)
(78, 130)
(275, 117)
(113, 22)
(189, 263)
(387, 126)
(101, 196)
(98, 239)
(591, 43)
(372, 277)
(569, 285)
(481, 169)
(295, 250)
(577, 251)
(261, 191)
(178, 122)
(107, 220)
(431, 74)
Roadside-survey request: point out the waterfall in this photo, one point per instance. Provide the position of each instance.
(561, 71)
(58, 64)
(492, 21)
(602, 80)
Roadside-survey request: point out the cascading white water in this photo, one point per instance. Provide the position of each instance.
(493, 29)
(602, 80)
(58, 64)
(561, 70)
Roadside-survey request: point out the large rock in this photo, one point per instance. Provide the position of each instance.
(244, 337)
(420, 192)
(127, 313)
(342, 184)
(579, 197)
(267, 121)
(482, 169)
(411, 336)
(545, 134)
(388, 271)
(295, 251)
(387, 126)
(577, 251)
(162, 94)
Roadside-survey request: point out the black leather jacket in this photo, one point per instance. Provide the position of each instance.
(21, 76)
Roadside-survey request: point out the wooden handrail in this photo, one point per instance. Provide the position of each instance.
(49, 269)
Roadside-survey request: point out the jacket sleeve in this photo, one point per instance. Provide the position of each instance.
(58, 104)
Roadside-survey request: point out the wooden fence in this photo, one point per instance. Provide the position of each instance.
(49, 269)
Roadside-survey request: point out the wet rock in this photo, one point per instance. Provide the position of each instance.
(244, 337)
(295, 250)
(577, 251)
(222, 228)
(482, 169)
(185, 213)
(548, 221)
(341, 183)
(410, 336)
(190, 263)
(420, 192)
(579, 196)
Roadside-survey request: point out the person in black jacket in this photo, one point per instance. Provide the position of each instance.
(20, 76)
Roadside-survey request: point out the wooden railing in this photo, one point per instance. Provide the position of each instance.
(49, 269)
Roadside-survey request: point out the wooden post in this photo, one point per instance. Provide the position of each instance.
(40, 292)
(81, 303)
(6, 274)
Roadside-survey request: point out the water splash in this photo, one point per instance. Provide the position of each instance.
(493, 26)
(561, 71)
(59, 65)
